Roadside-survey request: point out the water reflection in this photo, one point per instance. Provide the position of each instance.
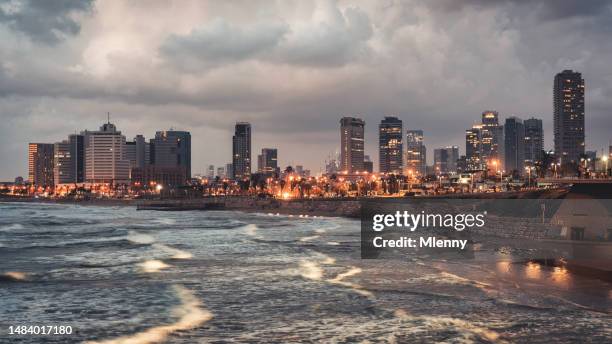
(561, 276)
(533, 270)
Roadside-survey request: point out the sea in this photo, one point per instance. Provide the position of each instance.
(118, 275)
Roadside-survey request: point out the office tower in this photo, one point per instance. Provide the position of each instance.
(172, 149)
(241, 151)
(63, 172)
(267, 161)
(534, 141)
(130, 154)
(221, 172)
(105, 155)
(351, 144)
(210, 172)
(77, 157)
(229, 170)
(568, 109)
(368, 165)
(416, 153)
(40, 164)
(390, 145)
(445, 159)
(299, 170)
(143, 151)
(473, 149)
(514, 145)
(491, 138)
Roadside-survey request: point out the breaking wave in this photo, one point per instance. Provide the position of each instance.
(191, 314)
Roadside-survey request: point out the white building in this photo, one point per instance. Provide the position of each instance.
(105, 156)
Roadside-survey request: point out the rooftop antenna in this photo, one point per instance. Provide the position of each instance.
(108, 117)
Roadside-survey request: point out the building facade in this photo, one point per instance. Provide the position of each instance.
(267, 161)
(241, 151)
(40, 164)
(568, 109)
(534, 141)
(390, 148)
(351, 144)
(416, 153)
(514, 145)
(445, 159)
(63, 172)
(172, 148)
(491, 139)
(105, 160)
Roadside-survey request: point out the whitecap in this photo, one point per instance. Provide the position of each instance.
(191, 314)
(175, 252)
(140, 238)
(11, 227)
(154, 265)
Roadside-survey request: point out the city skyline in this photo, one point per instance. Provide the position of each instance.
(421, 62)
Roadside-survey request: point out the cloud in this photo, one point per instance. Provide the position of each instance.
(221, 42)
(44, 21)
(329, 38)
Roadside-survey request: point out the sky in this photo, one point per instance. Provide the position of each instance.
(292, 68)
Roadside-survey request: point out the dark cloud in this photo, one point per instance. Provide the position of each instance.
(338, 40)
(545, 9)
(222, 42)
(44, 21)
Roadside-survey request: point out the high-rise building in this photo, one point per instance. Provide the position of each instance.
(221, 172)
(368, 165)
(351, 144)
(241, 151)
(210, 172)
(568, 109)
(229, 170)
(534, 141)
(267, 161)
(172, 149)
(473, 149)
(445, 159)
(390, 145)
(491, 138)
(416, 152)
(77, 157)
(63, 172)
(514, 145)
(40, 164)
(105, 160)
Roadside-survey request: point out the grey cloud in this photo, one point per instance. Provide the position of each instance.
(44, 21)
(545, 9)
(335, 42)
(221, 41)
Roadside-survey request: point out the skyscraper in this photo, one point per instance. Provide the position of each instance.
(568, 99)
(40, 164)
(514, 145)
(241, 151)
(351, 144)
(491, 136)
(105, 155)
(172, 148)
(416, 152)
(77, 157)
(390, 145)
(473, 149)
(267, 161)
(63, 173)
(534, 141)
(445, 159)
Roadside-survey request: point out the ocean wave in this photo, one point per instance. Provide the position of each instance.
(13, 276)
(11, 227)
(339, 279)
(153, 265)
(175, 252)
(191, 314)
(140, 238)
